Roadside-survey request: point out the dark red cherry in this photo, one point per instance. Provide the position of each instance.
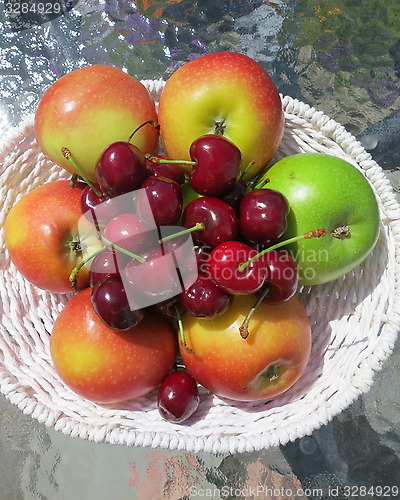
(155, 280)
(223, 267)
(111, 304)
(172, 171)
(101, 211)
(262, 217)
(202, 253)
(129, 232)
(120, 169)
(104, 264)
(235, 195)
(165, 199)
(282, 277)
(219, 220)
(178, 396)
(204, 298)
(217, 165)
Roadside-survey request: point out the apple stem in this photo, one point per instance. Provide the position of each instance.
(67, 154)
(315, 233)
(76, 269)
(182, 332)
(158, 160)
(123, 250)
(148, 122)
(242, 174)
(244, 328)
(198, 227)
(72, 181)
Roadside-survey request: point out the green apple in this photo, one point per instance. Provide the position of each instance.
(327, 192)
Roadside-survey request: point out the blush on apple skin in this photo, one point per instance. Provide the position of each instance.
(222, 92)
(106, 366)
(88, 109)
(37, 231)
(244, 369)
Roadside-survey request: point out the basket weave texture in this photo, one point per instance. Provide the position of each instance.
(355, 321)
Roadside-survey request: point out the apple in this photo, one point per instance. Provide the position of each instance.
(265, 364)
(226, 93)
(324, 191)
(46, 236)
(104, 365)
(88, 109)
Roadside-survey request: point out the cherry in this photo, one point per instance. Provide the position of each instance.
(120, 169)
(154, 280)
(160, 199)
(111, 304)
(282, 276)
(202, 253)
(178, 396)
(105, 264)
(127, 231)
(204, 298)
(262, 217)
(224, 268)
(173, 171)
(219, 220)
(99, 210)
(217, 164)
(235, 195)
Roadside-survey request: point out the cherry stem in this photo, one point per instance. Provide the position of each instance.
(76, 269)
(67, 154)
(244, 328)
(198, 227)
(148, 122)
(158, 160)
(261, 180)
(181, 331)
(123, 250)
(315, 233)
(246, 170)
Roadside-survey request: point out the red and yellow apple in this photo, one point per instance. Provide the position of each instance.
(265, 364)
(226, 93)
(88, 109)
(106, 366)
(46, 239)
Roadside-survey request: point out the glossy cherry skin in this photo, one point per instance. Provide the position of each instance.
(202, 253)
(217, 165)
(178, 396)
(223, 268)
(106, 263)
(282, 276)
(110, 303)
(120, 169)
(100, 211)
(165, 198)
(204, 299)
(172, 171)
(127, 231)
(235, 195)
(155, 280)
(219, 219)
(262, 216)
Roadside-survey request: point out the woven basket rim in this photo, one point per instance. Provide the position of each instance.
(306, 127)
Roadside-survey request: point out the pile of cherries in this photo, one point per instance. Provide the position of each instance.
(231, 226)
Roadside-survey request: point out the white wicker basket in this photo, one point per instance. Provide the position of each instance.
(355, 322)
